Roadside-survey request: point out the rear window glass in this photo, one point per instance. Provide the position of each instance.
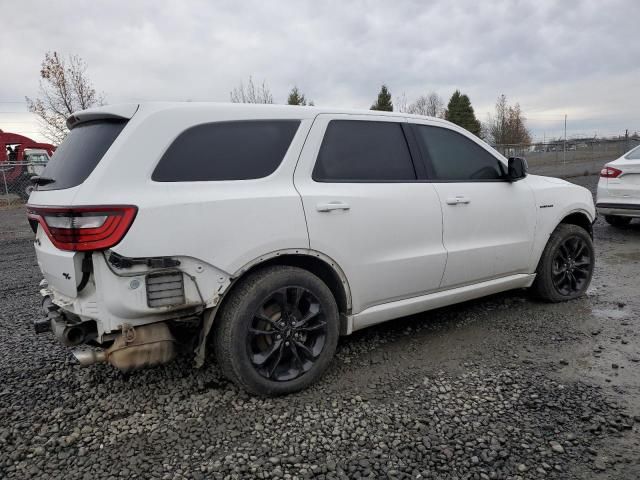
(80, 152)
(241, 150)
(633, 154)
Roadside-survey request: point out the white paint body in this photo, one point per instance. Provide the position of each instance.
(620, 196)
(399, 248)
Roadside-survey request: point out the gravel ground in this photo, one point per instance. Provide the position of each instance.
(503, 387)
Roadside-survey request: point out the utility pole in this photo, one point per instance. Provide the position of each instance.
(564, 153)
(626, 140)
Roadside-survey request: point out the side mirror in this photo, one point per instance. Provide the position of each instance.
(517, 169)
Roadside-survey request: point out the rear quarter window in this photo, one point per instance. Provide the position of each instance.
(80, 152)
(633, 154)
(239, 150)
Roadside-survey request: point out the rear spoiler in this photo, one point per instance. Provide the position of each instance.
(122, 111)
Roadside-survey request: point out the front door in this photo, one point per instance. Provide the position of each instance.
(488, 222)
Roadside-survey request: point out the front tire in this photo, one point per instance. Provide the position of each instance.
(617, 221)
(566, 266)
(277, 331)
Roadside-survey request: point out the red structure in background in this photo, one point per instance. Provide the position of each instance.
(17, 143)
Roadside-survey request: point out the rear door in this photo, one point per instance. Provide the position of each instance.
(367, 210)
(488, 222)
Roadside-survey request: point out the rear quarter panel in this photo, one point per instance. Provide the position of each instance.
(226, 224)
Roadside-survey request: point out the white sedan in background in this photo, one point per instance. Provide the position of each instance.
(618, 197)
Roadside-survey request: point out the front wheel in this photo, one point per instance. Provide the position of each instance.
(566, 266)
(277, 332)
(617, 221)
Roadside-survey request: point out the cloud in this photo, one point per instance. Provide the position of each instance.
(552, 57)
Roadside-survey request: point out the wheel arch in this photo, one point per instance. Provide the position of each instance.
(321, 265)
(546, 226)
(579, 218)
(315, 262)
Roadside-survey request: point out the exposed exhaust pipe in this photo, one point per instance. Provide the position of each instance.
(89, 357)
(74, 336)
(144, 346)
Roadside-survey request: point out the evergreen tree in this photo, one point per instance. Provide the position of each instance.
(297, 98)
(460, 112)
(384, 101)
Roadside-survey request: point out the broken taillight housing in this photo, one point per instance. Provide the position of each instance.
(610, 172)
(83, 229)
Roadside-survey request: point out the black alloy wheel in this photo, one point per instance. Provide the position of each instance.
(277, 330)
(566, 266)
(287, 334)
(571, 270)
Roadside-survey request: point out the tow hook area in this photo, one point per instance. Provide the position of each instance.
(134, 348)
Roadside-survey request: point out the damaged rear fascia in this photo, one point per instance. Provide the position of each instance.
(121, 262)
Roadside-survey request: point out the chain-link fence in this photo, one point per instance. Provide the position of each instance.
(571, 151)
(575, 157)
(15, 181)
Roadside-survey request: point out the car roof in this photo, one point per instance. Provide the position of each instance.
(126, 111)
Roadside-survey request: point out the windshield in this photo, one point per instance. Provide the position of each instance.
(39, 158)
(80, 152)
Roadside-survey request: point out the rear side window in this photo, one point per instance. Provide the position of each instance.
(454, 157)
(80, 152)
(633, 154)
(364, 151)
(240, 150)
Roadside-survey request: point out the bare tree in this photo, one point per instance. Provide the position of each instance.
(64, 89)
(419, 107)
(507, 126)
(430, 105)
(252, 93)
(401, 103)
(435, 105)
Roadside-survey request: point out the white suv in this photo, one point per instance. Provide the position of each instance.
(619, 189)
(272, 230)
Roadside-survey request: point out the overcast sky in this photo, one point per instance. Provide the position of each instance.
(581, 58)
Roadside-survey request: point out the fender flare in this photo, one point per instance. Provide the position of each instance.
(302, 252)
(346, 320)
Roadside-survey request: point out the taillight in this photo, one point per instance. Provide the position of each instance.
(610, 172)
(84, 228)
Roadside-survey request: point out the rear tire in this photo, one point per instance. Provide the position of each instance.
(566, 265)
(617, 221)
(277, 331)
